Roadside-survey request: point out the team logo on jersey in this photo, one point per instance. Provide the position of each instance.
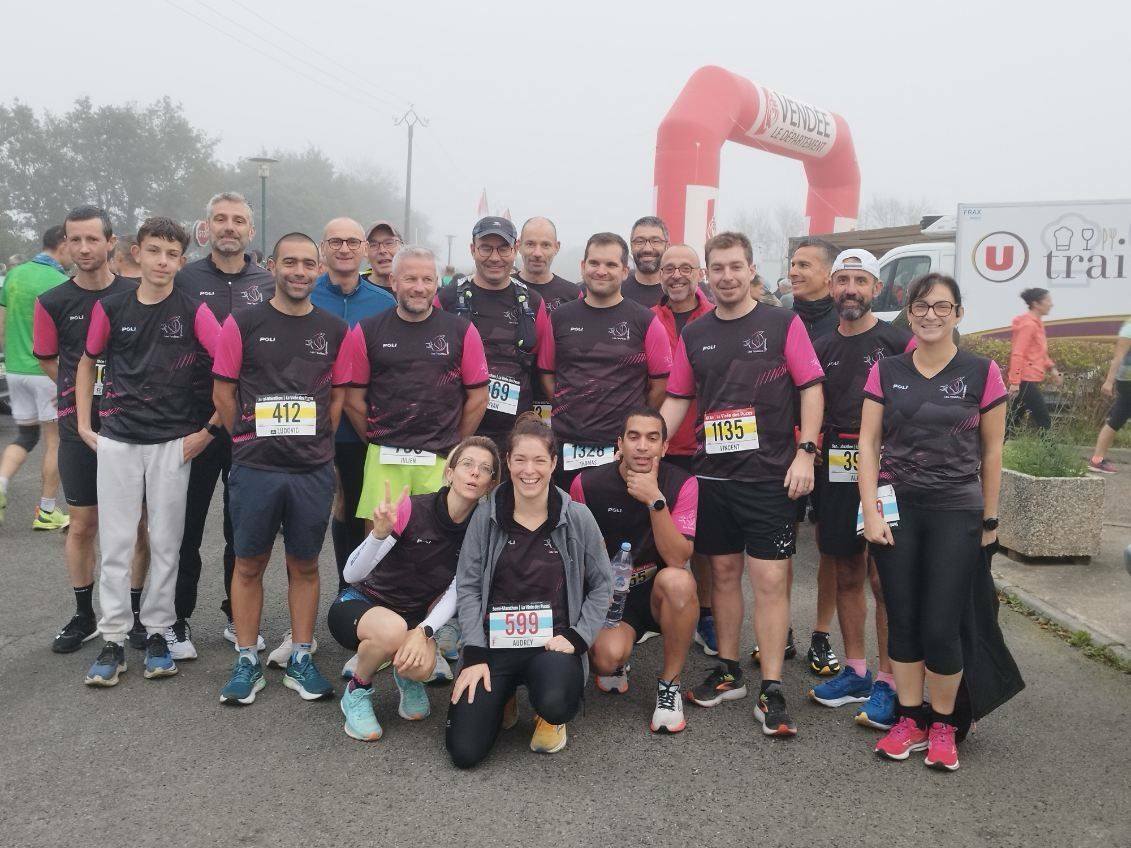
(438, 345)
(620, 331)
(174, 328)
(756, 343)
(253, 295)
(875, 356)
(511, 316)
(318, 345)
(955, 388)
(549, 546)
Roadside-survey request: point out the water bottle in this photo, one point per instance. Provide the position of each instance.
(622, 580)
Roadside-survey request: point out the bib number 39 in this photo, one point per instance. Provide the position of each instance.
(285, 415)
(844, 460)
(730, 431)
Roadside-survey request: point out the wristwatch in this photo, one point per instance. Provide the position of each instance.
(428, 631)
(659, 505)
(808, 447)
(215, 430)
(989, 523)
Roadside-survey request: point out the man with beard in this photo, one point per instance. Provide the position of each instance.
(847, 354)
(280, 375)
(382, 242)
(538, 245)
(648, 240)
(226, 279)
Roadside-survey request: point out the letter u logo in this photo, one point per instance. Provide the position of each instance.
(995, 264)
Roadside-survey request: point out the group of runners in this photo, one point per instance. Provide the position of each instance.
(482, 450)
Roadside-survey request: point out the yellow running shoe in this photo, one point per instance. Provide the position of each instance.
(548, 738)
(54, 520)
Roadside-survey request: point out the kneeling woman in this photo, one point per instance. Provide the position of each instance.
(403, 585)
(533, 587)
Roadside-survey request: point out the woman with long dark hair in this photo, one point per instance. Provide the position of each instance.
(1029, 357)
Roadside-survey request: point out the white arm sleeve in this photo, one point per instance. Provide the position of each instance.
(366, 557)
(444, 609)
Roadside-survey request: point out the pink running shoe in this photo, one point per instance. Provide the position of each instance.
(942, 752)
(902, 739)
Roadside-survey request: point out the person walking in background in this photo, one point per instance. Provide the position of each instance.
(1116, 385)
(1029, 359)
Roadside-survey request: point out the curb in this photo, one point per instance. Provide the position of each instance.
(1066, 620)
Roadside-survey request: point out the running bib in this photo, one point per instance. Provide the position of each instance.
(844, 457)
(642, 574)
(520, 625)
(406, 456)
(542, 410)
(730, 430)
(285, 415)
(586, 456)
(502, 395)
(99, 376)
(885, 504)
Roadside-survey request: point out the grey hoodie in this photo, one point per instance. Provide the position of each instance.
(589, 576)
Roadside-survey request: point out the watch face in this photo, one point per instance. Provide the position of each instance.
(658, 505)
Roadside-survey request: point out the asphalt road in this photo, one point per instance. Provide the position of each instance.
(163, 763)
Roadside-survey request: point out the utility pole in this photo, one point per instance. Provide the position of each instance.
(265, 163)
(450, 239)
(411, 119)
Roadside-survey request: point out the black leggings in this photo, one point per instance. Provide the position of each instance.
(1121, 409)
(349, 459)
(926, 578)
(553, 680)
(1029, 397)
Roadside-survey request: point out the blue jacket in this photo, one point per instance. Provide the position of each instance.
(367, 299)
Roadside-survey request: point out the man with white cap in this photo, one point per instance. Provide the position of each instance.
(846, 354)
(384, 241)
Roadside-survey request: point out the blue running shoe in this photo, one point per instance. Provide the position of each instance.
(879, 712)
(246, 680)
(357, 707)
(158, 659)
(705, 635)
(848, 687)
(110, 663)
(414, 704)
(307, 680)
(448, 637)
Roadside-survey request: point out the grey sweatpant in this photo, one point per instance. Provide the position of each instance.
(127, 474)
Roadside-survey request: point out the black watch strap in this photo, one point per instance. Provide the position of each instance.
(215, 430)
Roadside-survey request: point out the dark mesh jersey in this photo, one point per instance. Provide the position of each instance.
(62, 320)
(645, 295)
(846, 361)
(556, 292)
(284, 367)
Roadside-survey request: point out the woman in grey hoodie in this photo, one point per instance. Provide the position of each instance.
(533, 585)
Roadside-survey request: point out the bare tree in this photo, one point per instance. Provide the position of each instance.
(769, 231)
(885, 210)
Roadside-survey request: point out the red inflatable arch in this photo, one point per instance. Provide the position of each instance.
(717, 106)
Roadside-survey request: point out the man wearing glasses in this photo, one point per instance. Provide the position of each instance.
(649, 240)
(511, 319)
(383, 242)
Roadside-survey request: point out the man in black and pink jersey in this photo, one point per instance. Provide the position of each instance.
(511, 319)
(744, 364)
(648, 239)
(651, 505)
(538, 245)
(62, 318)
(281, 372)
(606, 355)
(418, 384)
(150, 338)
(846, 355)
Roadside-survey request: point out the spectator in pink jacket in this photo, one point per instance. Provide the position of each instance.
(1029, 358)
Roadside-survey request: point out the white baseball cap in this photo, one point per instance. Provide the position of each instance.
(857, 259)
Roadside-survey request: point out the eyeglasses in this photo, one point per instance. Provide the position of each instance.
(387, 244)
(484, 251)
(685, 269)
(467, 463)
(655, 241)
(920, 308)
(336, 243)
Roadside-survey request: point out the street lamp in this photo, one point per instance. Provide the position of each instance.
(265, 163)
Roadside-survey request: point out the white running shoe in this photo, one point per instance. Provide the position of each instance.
(615, 683)
(646, 635)
(349, 668)
(668, 715)
(442, 672)
(279, 657)
(448, 637)
(179, 639)
(230, 635)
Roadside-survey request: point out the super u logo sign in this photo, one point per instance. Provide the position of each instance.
(1000, 257)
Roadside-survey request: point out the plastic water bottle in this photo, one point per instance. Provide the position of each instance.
(622, 580)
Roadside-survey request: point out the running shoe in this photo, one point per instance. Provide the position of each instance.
(281, 656)
(668, 715)
(615, 683)
(646, 635)
(822, 660)
(906, 736)
(179, 637)
(720, 685)
(510, 713)
(448, 637)
(357, 707)
(771, 712)
(305, 678)
(247, 679)
(158, 659)
(942, 752)
(137, 635)
(705, 635)
(848, 687)
(548, 738)
(1104, 466)
(230, 635)
(80, 629)
(110, 663)
(442, 673)
(350, 667)
(879, 712)
(54, 520)
(790, 650)
(414, 704)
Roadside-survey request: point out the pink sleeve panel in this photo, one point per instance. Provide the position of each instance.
(227, 360)
(995, 391)
(473, 365)
(657, 349)
(342, 371)
(911, 345)
(359, 358)
(206, 328)
(800, 358)
(542, 327)
(547, 350)
(872, 387)
(686, 508)
(44, 333)
(576, 491)
(98, 333)
(404, 513)
(681, 380)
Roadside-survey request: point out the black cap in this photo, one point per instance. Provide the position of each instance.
(492, 226)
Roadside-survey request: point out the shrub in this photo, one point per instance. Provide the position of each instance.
(1043, 454)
